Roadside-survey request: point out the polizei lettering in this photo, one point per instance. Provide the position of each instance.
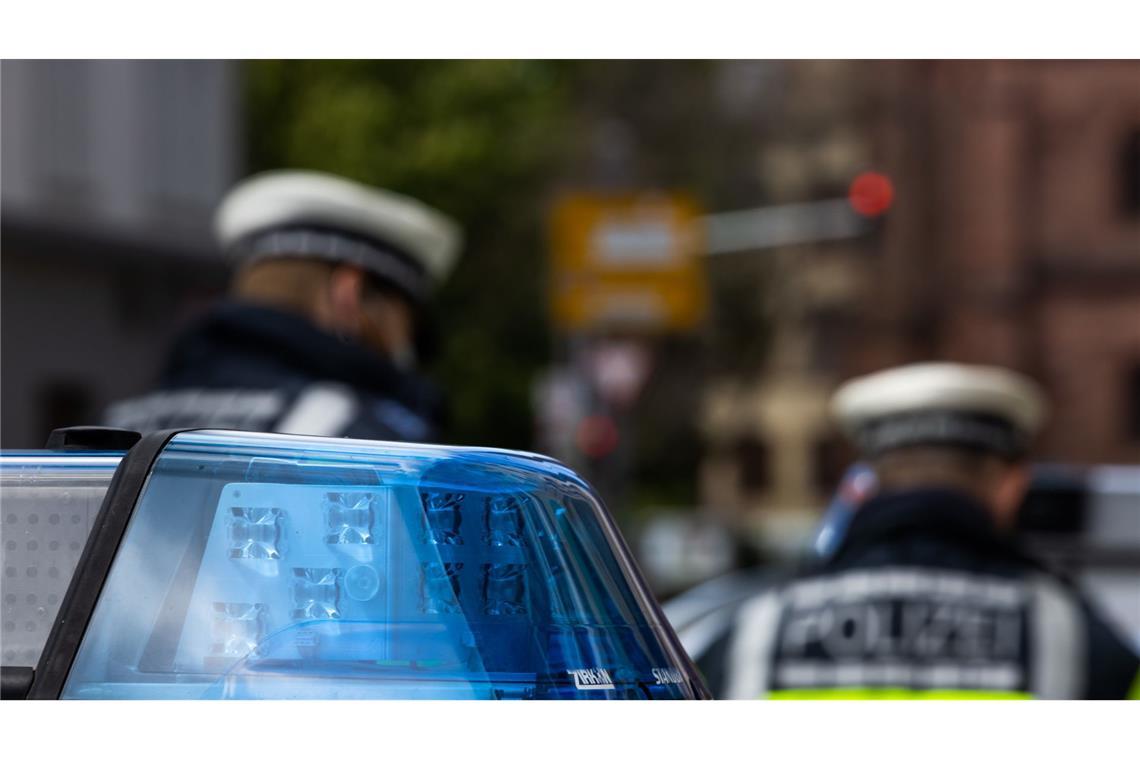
(911, 629)
(587, 679)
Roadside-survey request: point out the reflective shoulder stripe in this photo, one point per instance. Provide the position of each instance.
(321, 409)
(752, 646)
(1059, 646)
(241, 409)
(1134, 692)
(405, 423)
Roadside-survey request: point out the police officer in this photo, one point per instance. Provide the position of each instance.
(320, 334)
(925, 596)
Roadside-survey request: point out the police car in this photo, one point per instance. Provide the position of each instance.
(229, 565)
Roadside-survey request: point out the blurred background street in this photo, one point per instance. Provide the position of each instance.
(668, 265)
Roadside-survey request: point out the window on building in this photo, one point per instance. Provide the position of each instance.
(754, 465)
(1133, 403)
(833, 329)
(831, 456)
(1130, 175)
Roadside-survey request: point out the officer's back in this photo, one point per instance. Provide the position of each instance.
(319, 334)
(925, 595)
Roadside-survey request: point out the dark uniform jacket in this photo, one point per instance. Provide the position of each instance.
(247, 367)
(924, 598)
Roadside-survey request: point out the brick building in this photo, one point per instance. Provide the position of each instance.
(1015, 238)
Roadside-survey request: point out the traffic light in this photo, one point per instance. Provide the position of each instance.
(871, 194)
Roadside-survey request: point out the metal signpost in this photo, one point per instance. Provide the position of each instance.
(625, 268)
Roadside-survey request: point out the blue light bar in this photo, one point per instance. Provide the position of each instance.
(271, 566)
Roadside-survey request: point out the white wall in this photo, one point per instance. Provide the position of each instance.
(110, 171)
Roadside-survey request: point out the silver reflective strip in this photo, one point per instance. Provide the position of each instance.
(240, 409)
(752, 647)
(860, 585)
(805, 674)
(321, 409)
(1059, 647)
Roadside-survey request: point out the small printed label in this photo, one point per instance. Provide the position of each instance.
(306, 638)
(587, 679)
(666, 676)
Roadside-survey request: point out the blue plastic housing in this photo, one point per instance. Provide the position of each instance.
(271, 566)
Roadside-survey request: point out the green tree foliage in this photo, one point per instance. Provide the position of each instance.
(478, 140)
(488, 142)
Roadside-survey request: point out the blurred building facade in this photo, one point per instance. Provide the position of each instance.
(111, 170)
(1014, 238)
(771, 454)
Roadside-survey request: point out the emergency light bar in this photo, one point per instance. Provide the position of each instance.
(48, 501)
(251, 565)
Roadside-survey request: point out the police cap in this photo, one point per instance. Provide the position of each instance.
(978, 407)
(308, 214)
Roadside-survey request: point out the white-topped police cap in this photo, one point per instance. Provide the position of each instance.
(979, 407)
(315, 215)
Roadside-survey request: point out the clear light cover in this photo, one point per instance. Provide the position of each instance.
(47, 503)
(270, 566)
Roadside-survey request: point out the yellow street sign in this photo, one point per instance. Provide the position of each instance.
(631, 262)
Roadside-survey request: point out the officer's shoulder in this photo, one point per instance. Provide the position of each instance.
(321, 408)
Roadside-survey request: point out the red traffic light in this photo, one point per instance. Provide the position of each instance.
(871, 194)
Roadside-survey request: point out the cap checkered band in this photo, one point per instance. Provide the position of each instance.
(381, 259)
(942, 427)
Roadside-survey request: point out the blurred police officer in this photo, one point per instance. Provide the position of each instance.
(320, 334)
(925, 596)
